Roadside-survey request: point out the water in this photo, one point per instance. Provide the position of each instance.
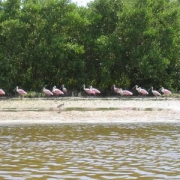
(90, 151)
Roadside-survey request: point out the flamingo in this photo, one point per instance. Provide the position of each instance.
(165, 91)
(57, 91)
(21, 92)
(125, 92)
(47, 92)
(88, 90)
(155, 93)
(2, 92)
(95, 90)
(141, 91)
(64, 89)
(116, 90)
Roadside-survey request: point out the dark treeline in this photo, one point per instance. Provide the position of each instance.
(122, 42)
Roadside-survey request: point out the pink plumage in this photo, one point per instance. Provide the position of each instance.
(155, 93)
(125, 92)
(21, 92)
(95, 90)
(166, 91)
(47, 92)
(141, 91)
(2, 92)
(88, 90)
(57, 91)
(116, 90)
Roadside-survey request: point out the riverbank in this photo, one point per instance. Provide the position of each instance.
(89, 110)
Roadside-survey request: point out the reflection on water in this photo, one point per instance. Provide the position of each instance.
(90, 151)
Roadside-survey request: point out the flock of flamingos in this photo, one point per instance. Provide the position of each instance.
(93, 91)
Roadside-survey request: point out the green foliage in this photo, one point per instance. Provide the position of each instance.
(118, 42)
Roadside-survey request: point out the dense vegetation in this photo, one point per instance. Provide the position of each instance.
(122, 42)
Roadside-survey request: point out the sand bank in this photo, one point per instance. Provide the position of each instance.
(89, 110)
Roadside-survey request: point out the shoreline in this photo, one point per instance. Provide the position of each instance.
(89, 110)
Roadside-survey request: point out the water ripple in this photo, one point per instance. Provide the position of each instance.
(129, 151)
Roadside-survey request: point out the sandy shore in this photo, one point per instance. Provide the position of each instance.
(89, 110)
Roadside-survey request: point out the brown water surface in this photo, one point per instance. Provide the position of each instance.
(90, 151)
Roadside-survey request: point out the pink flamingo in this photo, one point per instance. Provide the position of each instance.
(2, 93)
(21, 92)
(47, 92)
(64, 89)
(95, 90)
(165, 91)
(57, 91)
(88, 90)
(141, 91)
(155, 93)
(116, 90)
(125, 92)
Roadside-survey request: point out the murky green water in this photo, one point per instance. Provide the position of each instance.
(90, 151)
